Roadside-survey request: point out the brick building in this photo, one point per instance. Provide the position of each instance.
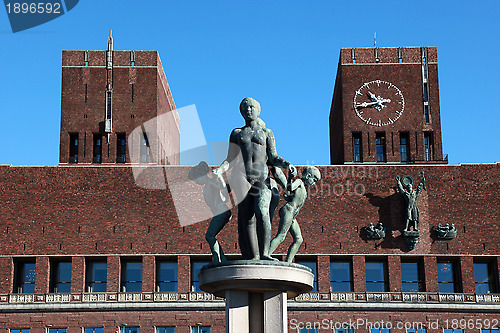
(386, 107)
(84, 249)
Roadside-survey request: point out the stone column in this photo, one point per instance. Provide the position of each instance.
(256, 292)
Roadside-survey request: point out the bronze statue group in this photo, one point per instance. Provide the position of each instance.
(251, 153)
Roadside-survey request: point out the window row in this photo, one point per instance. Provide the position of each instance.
(97, 147)
(341, 275)
(381, 149)
(383, 330)
(125, 329)
(96, 276)
(207, 329)
(412, 276)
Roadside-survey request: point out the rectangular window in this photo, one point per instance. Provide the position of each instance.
(144, 149)
(200, 329)
(60, 277)
(195, 270)
(404, 147)
(109, 104)
(132, 276)
(24, 282)
(166, 276)
(447, 277)
(121, 148)
(380, 330)
(22, 330)
(418, 330)
(58, 330)
(314, 268)
(307, 330)
(73, 148)
(344, 330)
(97, 276)
(376, 276)
(93, 330)
(97, 148)
(380, 143)
(428, 146)
(412, 276)
(128, 329)
(490, 331)
(165, 329)
(341, 276)
(357, 148)
(426, 96)
(483, 278)
(427, 117)
(451, 330)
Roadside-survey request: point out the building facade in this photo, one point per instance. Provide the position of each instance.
(85, 249)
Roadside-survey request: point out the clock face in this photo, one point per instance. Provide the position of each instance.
(379, 103)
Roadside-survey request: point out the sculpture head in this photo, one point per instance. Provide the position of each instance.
(249, 109)
(199, 173)
(310, 175)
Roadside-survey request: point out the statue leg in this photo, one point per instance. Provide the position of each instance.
(297, 241)
(286, 219)
(246, 229)
(216, 224)
(262, 203)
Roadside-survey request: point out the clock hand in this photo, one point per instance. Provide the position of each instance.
(366, 104)
(372, 96)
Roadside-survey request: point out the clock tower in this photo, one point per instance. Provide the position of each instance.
(385, 107)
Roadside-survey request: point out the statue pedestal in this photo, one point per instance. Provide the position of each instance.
(256, 292)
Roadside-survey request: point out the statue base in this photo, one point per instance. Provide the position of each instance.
(412, 238)
(256, 292)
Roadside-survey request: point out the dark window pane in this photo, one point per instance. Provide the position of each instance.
(29, 272)
(340, 274)
(130, 329)
(409, 271)
(375, 276)
(340, 271)
(380, 143)
(134, 271)
(165, 330)
(100, 271)
(445, 272)
(57, 330)
(410, 287)
(482, 288)
(375, 271)
(97, 276)
(167, 271)
(481, 273)
(195, 270)
(312, 265)
(132, 276)
(25, 277)
(375, 287)
(341, 286)
(61, 277)
(64, 272)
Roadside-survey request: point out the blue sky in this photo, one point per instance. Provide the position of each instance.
(282, 53)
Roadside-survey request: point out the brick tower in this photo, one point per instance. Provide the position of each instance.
(105, 96)
(385, 107)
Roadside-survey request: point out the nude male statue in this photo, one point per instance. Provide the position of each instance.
(257, 146)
